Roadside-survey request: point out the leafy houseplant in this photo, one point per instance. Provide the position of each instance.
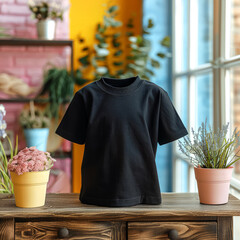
(35, 124)
(212, 154)
(29, 171)
(58, 87)
(46, 12)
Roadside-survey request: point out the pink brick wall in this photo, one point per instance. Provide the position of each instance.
(15, 15)
(27, 62)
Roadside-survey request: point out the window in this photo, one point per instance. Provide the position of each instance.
(206, 72)
(206, 75)
(193, 75)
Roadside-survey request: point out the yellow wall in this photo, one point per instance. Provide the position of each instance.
(84, 15)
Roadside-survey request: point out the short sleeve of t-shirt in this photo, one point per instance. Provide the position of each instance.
(74, 123)
(170, 125)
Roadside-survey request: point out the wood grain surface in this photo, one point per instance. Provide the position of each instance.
(77, 230)
(159, 230)
(174, 205)
(64, 213)
(7, 229)
(225, 228)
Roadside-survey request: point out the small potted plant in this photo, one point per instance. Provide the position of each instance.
(35, 123)
(29, 171)
(212, 154)
(46, 12)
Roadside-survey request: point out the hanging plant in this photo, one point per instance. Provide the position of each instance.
(58, 88)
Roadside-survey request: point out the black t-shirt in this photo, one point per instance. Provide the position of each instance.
(120, 121)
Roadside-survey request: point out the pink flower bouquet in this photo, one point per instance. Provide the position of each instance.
(30, 160)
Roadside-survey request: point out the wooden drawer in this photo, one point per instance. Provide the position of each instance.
(161, 230)
(67, 229)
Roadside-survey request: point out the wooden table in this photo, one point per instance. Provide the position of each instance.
(180, 216)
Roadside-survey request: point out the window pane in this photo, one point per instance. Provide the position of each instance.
(181, 35)
(232, 28)
(204, 31)
(181, 99)
(203, 99)
(234, 97)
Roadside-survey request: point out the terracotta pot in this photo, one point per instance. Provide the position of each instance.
(30, 188)
(213, 184)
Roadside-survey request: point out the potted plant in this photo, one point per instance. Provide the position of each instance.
(58, 88)
(29, 171)
(212, 154)
(46, 12)
(35, 124)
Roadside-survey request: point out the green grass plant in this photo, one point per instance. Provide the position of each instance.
(209, 149)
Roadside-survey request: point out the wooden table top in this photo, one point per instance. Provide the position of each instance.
(68, 205)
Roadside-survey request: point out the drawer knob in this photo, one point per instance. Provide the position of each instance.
(63, 232)
(173, 234)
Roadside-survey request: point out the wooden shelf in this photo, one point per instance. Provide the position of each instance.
(26, 100)
(34, 42)
(61, 154)
(14, 42)
(37, 43)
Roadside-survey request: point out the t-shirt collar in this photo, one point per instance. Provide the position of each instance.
(118, 86)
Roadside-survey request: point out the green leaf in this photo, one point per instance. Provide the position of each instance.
(150, 72)
(111, 22)
(84, 60)
(166, 41)
(99, 37)
(155, 63)
(144, 76)
(116, 35)
(119, 72)
(85, 49)
(98, 26)
(115, 43)
(102, 45)
(129, 34)
(139, 39)
(150, 23)
(78, 73)
(161, 55)
(145, 32)
(118, 53)
(130, 23)
(78, 78)
(16, 146)
(112, 9)
(117, 63)
(3, 156)
(11, 147)
(100, 58)
(101, 29)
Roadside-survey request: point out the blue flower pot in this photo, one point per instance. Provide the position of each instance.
(37, 137)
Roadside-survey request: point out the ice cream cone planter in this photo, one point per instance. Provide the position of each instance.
(213, 184)
(30, 188)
